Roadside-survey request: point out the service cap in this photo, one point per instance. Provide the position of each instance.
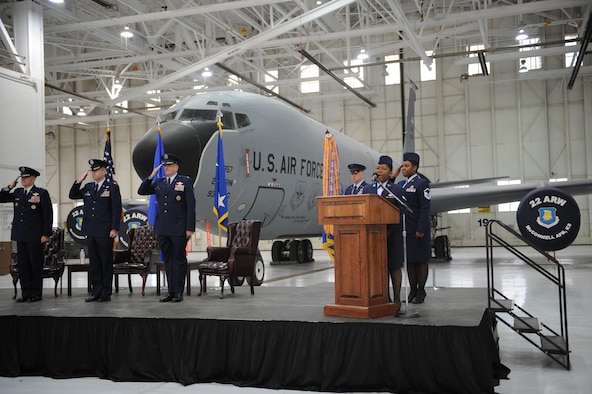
(95, 164)
(28, 171)
(355, 168)
(411, 156)
(386, 160)
(169, 158)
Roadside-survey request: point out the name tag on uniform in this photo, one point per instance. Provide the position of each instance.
(179, 187)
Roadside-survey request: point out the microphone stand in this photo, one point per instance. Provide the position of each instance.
(404, 209)
(406, 313)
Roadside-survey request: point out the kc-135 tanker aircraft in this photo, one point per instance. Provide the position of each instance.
(273, 157)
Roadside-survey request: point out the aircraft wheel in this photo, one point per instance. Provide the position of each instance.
(258, 271)
(238, 280)
(294, 245)
(297, 251)
(276, 250)
(307, 250)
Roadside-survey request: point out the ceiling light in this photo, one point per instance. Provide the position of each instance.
(523, 68)
(206, 73)
(56, 1)
(126, 33)
(117, 84)
(81, 112)
(363, 55)
(521, 33)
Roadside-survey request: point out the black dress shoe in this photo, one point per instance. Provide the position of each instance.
(92, 299)
(168, 298)
(420, 298)
(35, 299)
(177, 298)
(23, 299)
(104, 299)
(412, 295)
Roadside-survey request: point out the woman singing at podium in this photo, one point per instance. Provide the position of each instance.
(383, 186)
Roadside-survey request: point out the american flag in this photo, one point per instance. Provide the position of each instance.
(110, 175)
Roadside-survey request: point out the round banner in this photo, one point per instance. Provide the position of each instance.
(132, 218)
(549, 218)
(74, 225)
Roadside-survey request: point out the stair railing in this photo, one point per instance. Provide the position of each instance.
(552, 346)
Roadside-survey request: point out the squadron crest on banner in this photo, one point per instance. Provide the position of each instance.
(547, 217)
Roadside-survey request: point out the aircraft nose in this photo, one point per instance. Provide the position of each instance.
(185, 140)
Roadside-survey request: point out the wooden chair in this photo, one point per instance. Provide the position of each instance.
(53, 260)
(136, 258)
(237, 258)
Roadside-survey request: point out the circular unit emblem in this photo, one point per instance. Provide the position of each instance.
(132, 218)
(74, 225)
(549, 218)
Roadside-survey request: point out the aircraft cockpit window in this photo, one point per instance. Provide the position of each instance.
(201, 115)
(242, 120)
(168, 116)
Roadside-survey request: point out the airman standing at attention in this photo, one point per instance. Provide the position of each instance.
(100, 224)
(175, 221)
(357, 177)
(31, 228)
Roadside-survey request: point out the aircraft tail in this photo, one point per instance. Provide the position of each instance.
(409, 142)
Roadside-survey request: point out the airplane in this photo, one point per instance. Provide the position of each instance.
(274, 163)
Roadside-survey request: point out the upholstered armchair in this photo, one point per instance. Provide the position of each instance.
(136, 258)
(237, 258)
(53, 260)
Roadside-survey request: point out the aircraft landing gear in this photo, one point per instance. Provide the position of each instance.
(292, 250)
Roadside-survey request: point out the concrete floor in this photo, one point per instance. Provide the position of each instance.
(456, 295)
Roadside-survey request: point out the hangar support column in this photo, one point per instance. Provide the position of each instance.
(22, 107)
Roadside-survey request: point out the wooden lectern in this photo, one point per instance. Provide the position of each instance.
(361, 272)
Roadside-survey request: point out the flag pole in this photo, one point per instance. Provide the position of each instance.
(220, 207)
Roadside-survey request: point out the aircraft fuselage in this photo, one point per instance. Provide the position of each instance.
(273, 159)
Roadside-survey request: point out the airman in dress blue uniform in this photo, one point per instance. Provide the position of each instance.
(419, 243)
(31, 228)
(175, 221)
(382, 186)
(357, 176)
(100, 224)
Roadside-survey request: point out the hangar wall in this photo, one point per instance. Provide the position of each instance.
(486, 126)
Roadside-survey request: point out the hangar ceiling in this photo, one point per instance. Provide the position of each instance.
(244, 42)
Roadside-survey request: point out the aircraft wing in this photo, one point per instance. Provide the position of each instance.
(439, 185)
(447, 199)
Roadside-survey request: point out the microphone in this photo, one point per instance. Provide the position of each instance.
(401, 203)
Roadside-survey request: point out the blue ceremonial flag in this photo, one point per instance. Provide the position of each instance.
(108, 157)
(331, 186)
(152, 206)
(220, 194)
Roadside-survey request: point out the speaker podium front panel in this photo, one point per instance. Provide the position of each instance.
(361, 273)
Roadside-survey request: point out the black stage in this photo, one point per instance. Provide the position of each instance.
(278, 338)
